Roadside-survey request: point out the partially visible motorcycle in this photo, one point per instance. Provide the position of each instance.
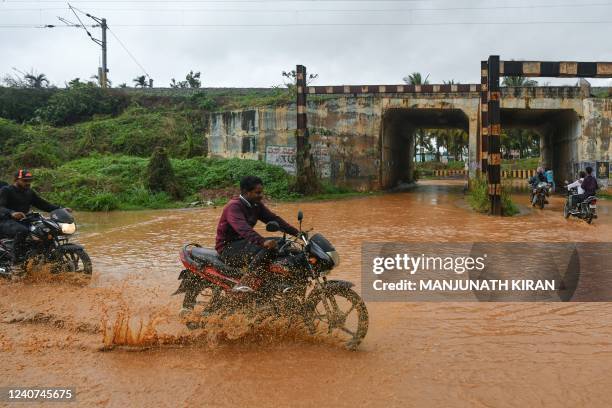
(539, 194)
(585, 210)
(47, 243)
(296, 286)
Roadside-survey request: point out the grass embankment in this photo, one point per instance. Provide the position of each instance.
(101, 164)
(103, 183)
(115, 182)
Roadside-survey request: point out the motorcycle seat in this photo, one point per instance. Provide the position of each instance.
(210, 257)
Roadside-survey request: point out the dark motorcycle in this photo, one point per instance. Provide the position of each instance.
(539, 194)
(47, 243)
(585, 210)
(296, 285)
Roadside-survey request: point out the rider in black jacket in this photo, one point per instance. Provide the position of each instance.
(15, 202)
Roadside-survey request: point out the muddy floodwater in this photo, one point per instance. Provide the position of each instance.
(52, 330)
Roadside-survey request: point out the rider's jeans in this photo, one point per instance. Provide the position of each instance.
(577, 199)
(241, 253)
(18, 232)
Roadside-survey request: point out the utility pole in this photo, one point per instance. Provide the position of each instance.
(103, 81)
(101, 22)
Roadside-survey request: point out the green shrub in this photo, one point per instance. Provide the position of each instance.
(81, 102)
(101, 202)
(478, 198)
(160, 175)
(21, 104)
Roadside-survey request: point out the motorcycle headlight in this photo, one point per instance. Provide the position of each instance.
(68, 229)
(335, 257)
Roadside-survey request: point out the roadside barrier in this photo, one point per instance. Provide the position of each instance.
(508, 174)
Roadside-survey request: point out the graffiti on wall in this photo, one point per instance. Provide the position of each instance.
(322, 159)
(283, 156)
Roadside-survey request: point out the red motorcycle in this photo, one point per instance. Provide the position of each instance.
(295, 285)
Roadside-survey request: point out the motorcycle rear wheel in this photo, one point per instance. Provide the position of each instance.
(335, 309)
(203, 302)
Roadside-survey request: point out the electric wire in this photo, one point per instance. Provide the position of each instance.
(327, 10)
(289, 25)
(129, 53)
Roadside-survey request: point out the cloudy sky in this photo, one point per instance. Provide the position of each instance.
(242, 43)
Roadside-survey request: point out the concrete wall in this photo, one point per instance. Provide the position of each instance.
(364, 141)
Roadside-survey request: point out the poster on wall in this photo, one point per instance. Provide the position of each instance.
(603, 170)
(283, 156)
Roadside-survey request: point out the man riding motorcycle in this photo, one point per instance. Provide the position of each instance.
(539, 177)
(589, 184)
(15, 202)
(237, 243)
(578, 198)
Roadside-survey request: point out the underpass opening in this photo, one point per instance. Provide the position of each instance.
(558, 131)
(398, 131)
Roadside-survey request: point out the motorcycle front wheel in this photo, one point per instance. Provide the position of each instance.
(74, 260)
(566, 210)
(338, 311)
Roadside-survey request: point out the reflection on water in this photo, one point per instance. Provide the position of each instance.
(437, 354)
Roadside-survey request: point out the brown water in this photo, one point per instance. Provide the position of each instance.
(415, 354)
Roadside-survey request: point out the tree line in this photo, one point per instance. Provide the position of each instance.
(454, 143)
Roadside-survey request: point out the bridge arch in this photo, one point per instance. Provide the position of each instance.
(397, 138)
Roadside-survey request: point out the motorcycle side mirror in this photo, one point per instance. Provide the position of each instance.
(300, 215)
(272, 226)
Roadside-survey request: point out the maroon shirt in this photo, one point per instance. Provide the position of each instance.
(238, 219)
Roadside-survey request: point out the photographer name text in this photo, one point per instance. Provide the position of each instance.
(465, 285)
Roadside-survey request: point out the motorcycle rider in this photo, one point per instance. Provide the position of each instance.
(237, 243)
(539, 177)
(15, 202)
(589, 184)
(578, 198)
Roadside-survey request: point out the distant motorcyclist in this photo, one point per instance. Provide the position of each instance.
(237, 243)
(578, 198)
(589, 184)
(539, 177)
(15, 202)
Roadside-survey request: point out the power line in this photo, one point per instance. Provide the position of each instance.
(83, 25)
(289, 25)
(224, 1)
(129, 53)
(319, 10)
(105, 26)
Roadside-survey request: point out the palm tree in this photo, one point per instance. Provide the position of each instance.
(416, 79)
(422, 139)
(36, 80)
(140, 81)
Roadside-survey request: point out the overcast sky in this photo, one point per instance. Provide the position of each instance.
(248, 43)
